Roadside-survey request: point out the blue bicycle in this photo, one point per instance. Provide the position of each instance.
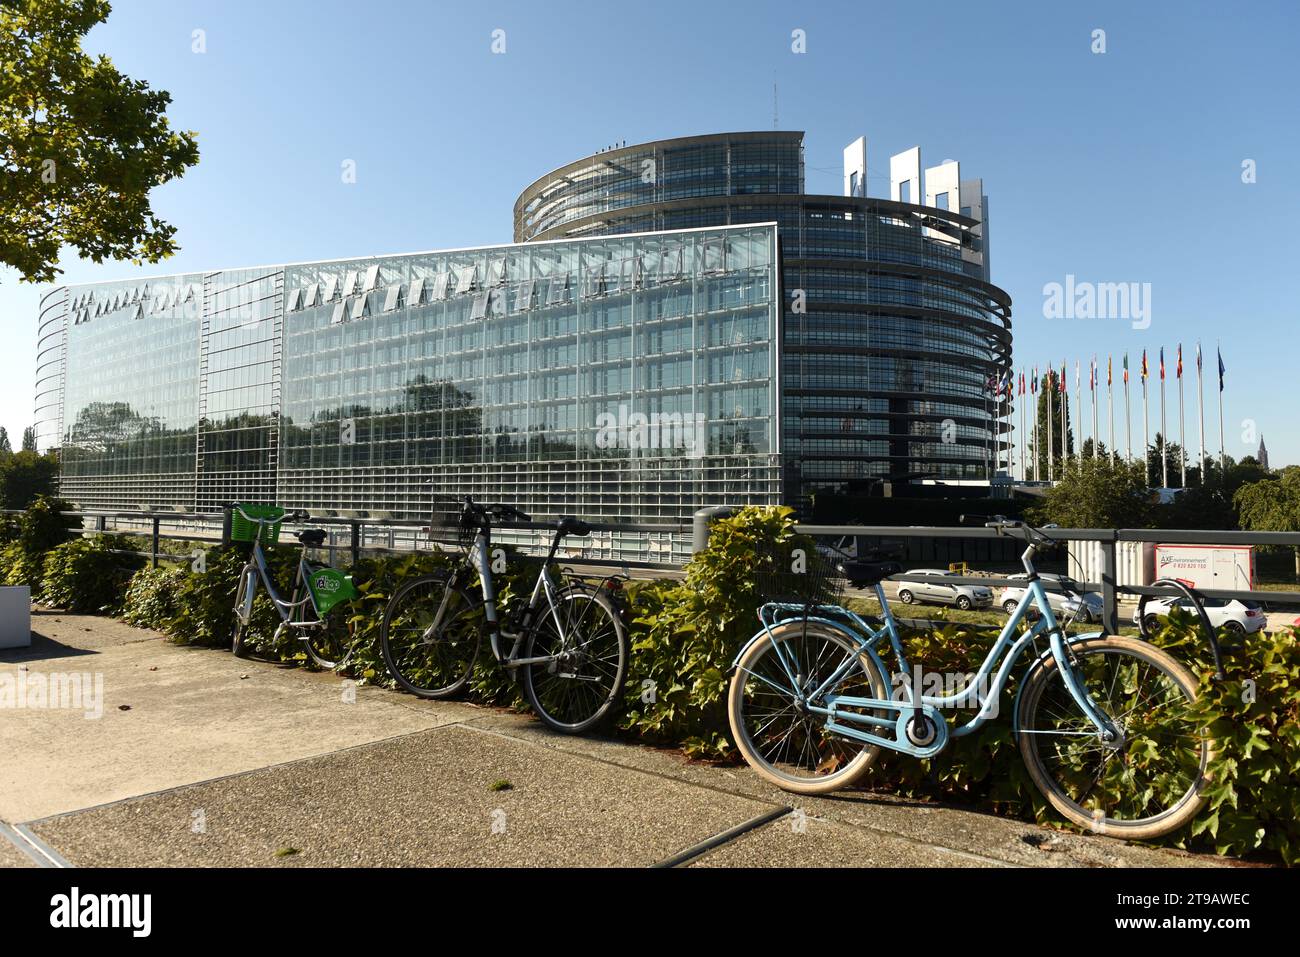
(1103, 722)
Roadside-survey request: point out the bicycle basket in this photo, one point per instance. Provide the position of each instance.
(242, 530)
(798, 574)
(448, 525)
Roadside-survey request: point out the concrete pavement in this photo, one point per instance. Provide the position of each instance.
(216, 761)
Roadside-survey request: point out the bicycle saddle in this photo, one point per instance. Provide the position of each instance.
(568, 525)
(311, 536)
(861, 574)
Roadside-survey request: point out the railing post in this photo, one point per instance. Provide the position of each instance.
(153, 558)
(1109, 598)
(700, 529)
(356, 542)
(225, 525)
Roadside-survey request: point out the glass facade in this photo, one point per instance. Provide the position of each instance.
(891, 330)
(627, 378)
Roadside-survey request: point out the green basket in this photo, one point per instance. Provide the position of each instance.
(242, 530)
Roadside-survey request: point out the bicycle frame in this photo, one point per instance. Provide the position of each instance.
(257, 569)
(1007, 650)
(479, 561)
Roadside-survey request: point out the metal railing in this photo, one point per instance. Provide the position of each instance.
(1108, 538)
(366, 535)
(356, 536)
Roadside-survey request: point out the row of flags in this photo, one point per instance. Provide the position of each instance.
(1003, 387)
(1004, 384)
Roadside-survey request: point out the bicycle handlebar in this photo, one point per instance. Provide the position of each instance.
(475, 511)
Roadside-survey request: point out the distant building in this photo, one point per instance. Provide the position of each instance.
(1262, 454)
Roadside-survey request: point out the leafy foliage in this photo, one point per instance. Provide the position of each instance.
(28, 538)
(84, 145)
(88, 574)
(26, 476)
(1096, 493)
(685, 635)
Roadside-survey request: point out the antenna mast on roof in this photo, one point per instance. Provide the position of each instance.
(775, 119)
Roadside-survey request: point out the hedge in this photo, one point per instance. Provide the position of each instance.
(686, 633)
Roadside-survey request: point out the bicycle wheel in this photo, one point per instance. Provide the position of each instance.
(588, 644)
(237, 646)
(1152, 781)
(785, 743)
(430, 636)
(330, 645)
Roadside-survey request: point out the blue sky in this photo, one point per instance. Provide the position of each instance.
(1124, 166)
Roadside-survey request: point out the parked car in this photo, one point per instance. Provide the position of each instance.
(1240, 617)
(964, 597)
(1083, 607)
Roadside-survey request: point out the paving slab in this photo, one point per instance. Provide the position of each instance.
(173, 715)
(802, 841)
(426, 799)
(925, 824)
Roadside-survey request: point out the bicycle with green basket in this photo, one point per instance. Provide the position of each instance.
(317, 589)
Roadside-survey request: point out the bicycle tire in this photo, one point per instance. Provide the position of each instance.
(592, 690)
(238, 647)
(329, 646)
(845, 759)
(459, 650)
(1078, 750)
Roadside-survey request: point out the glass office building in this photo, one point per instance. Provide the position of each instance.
(677, 324)
(894, 339)
(631, 377)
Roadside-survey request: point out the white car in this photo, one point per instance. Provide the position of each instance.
(964, 597)
(1239, 617)
(1083, 607)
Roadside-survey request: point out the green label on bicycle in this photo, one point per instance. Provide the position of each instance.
(329, 586)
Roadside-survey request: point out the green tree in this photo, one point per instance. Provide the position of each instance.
(24, 476)
(1272, 505)
(82, 145)
(29, 439)
(1062, 446)
(1094, 493)
(5, 447)
(1173, 456)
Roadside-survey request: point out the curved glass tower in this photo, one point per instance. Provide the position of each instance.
(894, 341)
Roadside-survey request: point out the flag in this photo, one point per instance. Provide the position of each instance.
(1198, 357)
(1145, 369)
(1126, 368)
(1110, 372)
(1033, 383)
(1162, 363)
(1092, 375)
(1060, 386)
(1180, 360)
(1222, 369)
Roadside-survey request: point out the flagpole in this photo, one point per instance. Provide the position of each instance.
(1078, 411)
(1093, 390)
(1164, 434)
(1024, 436)
(1110, 405)
(1223, 457)
(1065, 414)
(1051, 457)
(1128, 417)
(1200, 413)
(1182, 424)
(1146, 423)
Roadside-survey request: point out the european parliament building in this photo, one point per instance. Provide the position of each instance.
(676, 324)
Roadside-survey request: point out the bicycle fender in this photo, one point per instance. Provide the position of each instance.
(869, 649)
(1047, 653)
